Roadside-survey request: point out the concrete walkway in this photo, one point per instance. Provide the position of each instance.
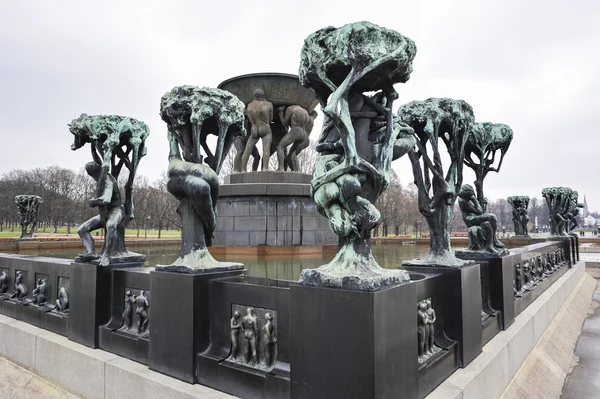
(18, 383)
(584, 380)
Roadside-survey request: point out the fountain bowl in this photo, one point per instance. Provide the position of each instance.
(280, 89)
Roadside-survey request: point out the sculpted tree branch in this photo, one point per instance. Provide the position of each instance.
(191, 114)
(484, 141)
(432, 119)
(108, 135)
(359, 140)
(28, 206)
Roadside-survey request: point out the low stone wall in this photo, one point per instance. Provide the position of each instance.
(89, 373)
(491, 372)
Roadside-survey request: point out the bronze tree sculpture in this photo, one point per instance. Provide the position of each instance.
(115, 141)
(360, 137)
(563, 209)
(519, 204)
(29, 206)
(438, 121)
(484, 141)
(191, 114)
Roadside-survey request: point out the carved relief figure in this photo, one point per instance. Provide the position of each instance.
(62, 303)
(20, 290)
(270, 340)
(426, 319)
(115, 141)
(430, 323)
(518, 282)
(250, 329)
(142, 311)
(260, 115)
(128, 311)
(39, 293)
(235, 333)
(3, 282)
(482, 226)
(422, 329)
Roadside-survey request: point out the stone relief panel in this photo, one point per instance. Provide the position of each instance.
(19, 288)
(39, 295)
(253, 337)
(4, 281)
(426, 330)
(62, 295)
(135, 312)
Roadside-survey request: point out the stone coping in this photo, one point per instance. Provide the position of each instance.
(500, 360)
(268, 176)
(89, 373)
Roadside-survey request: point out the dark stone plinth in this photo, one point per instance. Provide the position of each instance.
(575, 246)
(526, 298)
(180, 321)
(496, 291)
(462, 295)
(90, 299)
(273, 218)
(217, 369)
(44, 317)
(433, 371)
(33, 268)
(110, 338)
(353, 344)
(568, 247)
(268, 176)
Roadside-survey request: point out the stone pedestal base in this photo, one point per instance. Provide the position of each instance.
(353, 344)
(269, 208)
(463, 300)
(90, 300)
(180, 321)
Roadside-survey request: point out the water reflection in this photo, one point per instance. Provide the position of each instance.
(283, 267)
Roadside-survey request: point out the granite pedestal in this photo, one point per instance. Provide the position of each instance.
(270, 208)
(353, 344)
(180, 321)
(462, 294)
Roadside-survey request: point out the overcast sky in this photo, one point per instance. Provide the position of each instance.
(534, 65)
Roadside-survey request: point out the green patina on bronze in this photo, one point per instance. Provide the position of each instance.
(484, 141)
(191, 114)
(519, 204)
(115, 141)
(359, 140)
(438, 121)
(29, 206)
(563, 209)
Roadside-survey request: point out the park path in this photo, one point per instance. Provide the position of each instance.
(584, 380)
(18, 383)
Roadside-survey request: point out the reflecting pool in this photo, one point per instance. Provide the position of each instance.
(284, 267)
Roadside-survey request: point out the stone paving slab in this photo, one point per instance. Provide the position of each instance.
(584, 380)
(18, 383)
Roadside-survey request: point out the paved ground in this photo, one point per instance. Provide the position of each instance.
(18, 383)
(584, 380)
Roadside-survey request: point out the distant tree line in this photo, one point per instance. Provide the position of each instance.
(66, 193)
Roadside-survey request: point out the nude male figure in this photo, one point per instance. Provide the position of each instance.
(260, 115)
(300, 124)
(111, 213)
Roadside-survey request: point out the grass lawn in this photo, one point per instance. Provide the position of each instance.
(62, 231)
